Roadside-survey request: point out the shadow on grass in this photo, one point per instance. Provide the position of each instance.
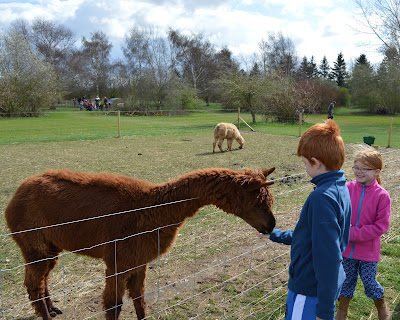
(216, 152)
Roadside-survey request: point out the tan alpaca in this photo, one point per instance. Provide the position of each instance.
(229, 132)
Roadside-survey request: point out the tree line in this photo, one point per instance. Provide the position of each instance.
(41, 62)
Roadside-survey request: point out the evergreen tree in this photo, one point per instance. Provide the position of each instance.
(339, 72)
(312, 68)
(302, 71)
(307, 69)
(324, 69)
(362, 60)
(362, 84)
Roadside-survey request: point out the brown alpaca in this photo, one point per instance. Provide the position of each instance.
(229, 132)
(57, 197)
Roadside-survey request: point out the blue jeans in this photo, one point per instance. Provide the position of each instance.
(367, 272)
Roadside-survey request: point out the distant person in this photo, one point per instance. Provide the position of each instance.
(97, 103)
(86, 104)
(105, 100)
(330, 110)
(322, 232)
(369, 221)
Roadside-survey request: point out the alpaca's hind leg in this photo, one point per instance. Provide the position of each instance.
(35, 282)
(214, 143)
(113, 293)
(52, 309)
(37, 278)
(136, 285)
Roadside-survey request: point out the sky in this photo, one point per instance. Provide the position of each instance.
(318, 28)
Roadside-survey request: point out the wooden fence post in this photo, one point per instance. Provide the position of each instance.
(239, 118)
(119, 124)
(300, 122)
(390, 132)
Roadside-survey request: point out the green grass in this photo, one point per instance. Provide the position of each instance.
(83, 125)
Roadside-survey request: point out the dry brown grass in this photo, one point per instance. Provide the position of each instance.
(218, 267)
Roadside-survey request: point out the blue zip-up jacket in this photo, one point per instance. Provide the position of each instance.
(318, 241)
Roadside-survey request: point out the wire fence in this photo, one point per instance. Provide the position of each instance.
(217, 269)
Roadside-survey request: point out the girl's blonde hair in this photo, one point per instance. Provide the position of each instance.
(372, 159)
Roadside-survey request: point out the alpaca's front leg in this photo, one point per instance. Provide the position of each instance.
(113, 293)
(214, 144)
(136, 286)
(230, 144)
(220, 142)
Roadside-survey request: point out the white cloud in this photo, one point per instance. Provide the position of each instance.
(317, 27)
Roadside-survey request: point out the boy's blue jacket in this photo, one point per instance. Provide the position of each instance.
(318, 241)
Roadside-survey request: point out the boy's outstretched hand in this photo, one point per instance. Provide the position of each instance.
(263, 235)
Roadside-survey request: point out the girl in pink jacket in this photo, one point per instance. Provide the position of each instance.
(369, 221)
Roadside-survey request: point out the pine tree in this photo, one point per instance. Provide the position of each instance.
(361, 82)
(307, 69)
(339, 72)
(362, 60)
(312, 68)
(324, 69)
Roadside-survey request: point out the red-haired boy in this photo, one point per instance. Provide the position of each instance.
(322, 233)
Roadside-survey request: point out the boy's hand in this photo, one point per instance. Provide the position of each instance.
(263, 235)
(319, 318)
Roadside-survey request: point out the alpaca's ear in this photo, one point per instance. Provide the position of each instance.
(267, 172)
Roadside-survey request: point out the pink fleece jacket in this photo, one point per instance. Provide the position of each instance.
(370, 219)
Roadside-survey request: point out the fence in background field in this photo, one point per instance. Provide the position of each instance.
(298, 119)
(217, 270)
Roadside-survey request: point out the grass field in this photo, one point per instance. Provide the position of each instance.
(158, 149)
(83, 125)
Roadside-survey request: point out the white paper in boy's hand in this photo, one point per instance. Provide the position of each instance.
(263, 235)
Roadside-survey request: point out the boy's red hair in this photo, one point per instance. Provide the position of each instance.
(323, 142)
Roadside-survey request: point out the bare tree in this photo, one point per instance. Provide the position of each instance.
(195, 54)
(96, 51)
(278, 53)
(151, 64)
(52, 40)
(382, 19)
(21, 27)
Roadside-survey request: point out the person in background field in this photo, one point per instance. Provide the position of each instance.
(97, 103)
(322, 233)
(370, 220)
(105, 103)
(330, 110)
